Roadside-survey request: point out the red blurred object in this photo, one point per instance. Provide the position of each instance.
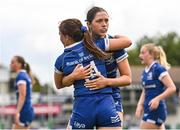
(40, 109)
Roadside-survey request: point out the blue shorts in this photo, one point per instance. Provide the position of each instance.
(157, 116)
(26, 117)
(118, 103)
(97, 110)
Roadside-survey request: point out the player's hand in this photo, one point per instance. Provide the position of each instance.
(139, 111)
(81, 72)
(98, 83)
(16, 118)
(154, 103)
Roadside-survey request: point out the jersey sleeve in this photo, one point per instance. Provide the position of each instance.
(20, 79)
(160, 72)
(103, 44)
(58, 65)
(120, 55)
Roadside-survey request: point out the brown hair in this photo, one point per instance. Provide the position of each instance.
(72, 28)
(26, 66)
(92, 13)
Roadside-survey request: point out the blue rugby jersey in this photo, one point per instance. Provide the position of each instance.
(151, 81)
(23, 77)
(111, 64)
(78, 54)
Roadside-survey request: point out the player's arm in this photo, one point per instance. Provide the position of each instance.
(123, 80)
(21, 99)
(58, 80)
(119, 42)
(125, 75)
(78, 73)
(140, 107)
(170, 89)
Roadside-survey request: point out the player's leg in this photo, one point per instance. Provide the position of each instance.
(147, 125)
(121, 115)
(18, 126)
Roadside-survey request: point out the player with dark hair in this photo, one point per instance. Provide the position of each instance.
(80, 50)
(24, 111)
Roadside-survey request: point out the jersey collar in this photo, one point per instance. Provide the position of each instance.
(148, 68)
(72, 45)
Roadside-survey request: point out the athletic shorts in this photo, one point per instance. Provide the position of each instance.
(97, 110)
(157, 116)
(118, 102)
(26, 117)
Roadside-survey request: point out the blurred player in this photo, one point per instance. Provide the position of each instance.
(24, 110)
(157, 86)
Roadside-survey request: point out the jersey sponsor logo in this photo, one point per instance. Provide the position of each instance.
(81, 54)
(149, 76)
(82, 59)
(109, 61)
(79, 125)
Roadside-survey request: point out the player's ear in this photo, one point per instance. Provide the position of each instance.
(88, 25)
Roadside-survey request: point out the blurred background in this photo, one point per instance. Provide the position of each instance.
(30, 29)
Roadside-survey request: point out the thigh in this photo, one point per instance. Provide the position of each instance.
(121, 115)
(110, 128)
(148, 125)
(17, 127)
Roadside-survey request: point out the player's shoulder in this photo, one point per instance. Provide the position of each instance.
(158, 66)
(21, 75)
(158, 69)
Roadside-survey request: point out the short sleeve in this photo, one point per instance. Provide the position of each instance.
(120, 55)
(58, 65)
(160, 72)
(103, 44)
(20, 79)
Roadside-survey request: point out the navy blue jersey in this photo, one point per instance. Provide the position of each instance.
(27, 111)
(151, 81)
(23, 78)
(111, 65)
(78, 54)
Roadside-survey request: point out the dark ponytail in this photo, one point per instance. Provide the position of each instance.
(74, 29)
(92, 47)
(25, 66)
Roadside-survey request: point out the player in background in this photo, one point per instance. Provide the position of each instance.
(24, 111)
(157, 86)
